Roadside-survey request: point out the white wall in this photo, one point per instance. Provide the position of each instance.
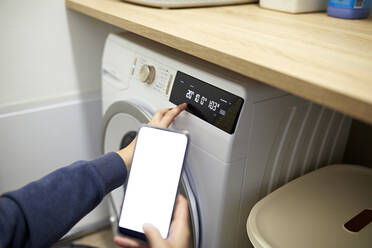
(37, 140)
(50, 111)
(47, 51)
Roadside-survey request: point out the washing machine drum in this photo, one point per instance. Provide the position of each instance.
(121, 123)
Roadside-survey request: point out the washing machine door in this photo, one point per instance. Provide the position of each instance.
(121, 123)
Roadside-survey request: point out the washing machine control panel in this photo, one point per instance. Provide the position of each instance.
(157, 76)
(210, 103)
(214, 105)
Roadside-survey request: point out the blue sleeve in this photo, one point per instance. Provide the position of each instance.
(40, 213)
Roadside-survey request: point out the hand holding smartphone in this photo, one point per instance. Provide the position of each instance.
(153, 181)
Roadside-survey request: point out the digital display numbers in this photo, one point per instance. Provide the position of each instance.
(214, 105)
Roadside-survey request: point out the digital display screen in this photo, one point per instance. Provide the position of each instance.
(214, 105)
(153, 180)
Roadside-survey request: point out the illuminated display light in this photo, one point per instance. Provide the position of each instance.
(214, 105)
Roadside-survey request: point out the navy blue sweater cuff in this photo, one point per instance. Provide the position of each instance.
(112, 169)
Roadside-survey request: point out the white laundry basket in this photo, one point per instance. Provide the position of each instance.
(330, 207)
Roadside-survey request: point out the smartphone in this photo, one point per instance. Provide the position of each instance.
(153, 180)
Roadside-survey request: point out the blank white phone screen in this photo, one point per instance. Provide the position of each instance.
(153, 180)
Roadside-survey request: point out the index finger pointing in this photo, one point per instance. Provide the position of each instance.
(171, 114)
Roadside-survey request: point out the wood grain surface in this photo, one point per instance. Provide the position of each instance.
(323, 59)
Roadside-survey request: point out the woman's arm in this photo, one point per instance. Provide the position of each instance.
(41, 212)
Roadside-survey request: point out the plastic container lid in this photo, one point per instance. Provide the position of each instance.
(312, 211)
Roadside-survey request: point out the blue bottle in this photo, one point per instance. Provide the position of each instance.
(349, 9)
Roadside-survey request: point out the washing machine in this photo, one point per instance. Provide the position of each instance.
(246, 138)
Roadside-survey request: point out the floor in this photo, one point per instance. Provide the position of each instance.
(100, 239)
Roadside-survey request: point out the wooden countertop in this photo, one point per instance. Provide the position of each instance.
(324, 59)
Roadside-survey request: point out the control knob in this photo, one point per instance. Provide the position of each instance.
(147, 74)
